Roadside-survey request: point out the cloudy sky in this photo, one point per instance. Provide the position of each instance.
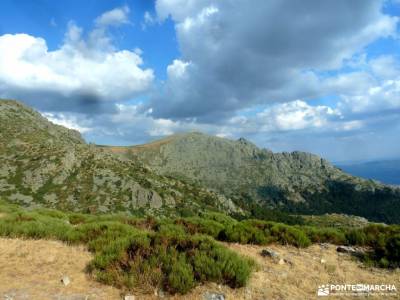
(318, 76)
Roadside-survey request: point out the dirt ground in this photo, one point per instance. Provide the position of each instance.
(33, 269)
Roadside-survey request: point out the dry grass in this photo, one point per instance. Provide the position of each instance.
(33, 269)
(301, 280)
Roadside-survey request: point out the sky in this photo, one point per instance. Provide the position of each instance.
(316, 76)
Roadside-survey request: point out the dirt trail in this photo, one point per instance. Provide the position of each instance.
(32, 269)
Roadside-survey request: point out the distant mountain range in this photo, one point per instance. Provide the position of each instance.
(385, 171)
(43, 164)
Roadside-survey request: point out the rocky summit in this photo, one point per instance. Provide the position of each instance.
(296, 182)
(43, 164)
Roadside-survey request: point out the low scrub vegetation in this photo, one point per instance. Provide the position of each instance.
(177, 254)
(129, 254)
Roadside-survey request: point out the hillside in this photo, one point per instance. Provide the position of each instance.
(386, 171)
(296, 182)
(185, 258)
(43, 164)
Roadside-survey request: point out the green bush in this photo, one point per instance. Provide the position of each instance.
(219, 217)
(245, 233)
(175, 261)
(325, 235)
(393, 249)
(288, 235)
(196, 225)
(356, 237)
(168, 229)
(181, 278)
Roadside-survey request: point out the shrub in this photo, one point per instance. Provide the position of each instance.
(181, 278)
(205, 268)
(196, 225)
(325, 235)
(220, 218)
(285, 234)
(175, 260)
(356, 237)
(393, 249)
(169, 229)
(78, 219)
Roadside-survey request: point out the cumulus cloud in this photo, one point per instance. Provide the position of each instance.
(271, 51)
(68, 121)
(372, 89)
(296, 115)
(83, 71)
(114, 17)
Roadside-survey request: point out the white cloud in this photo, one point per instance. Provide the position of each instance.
(114, 17)
(373, 89)
(79, 69)
(295, 115)
(177, 69)
(376, 99)
(69, 121)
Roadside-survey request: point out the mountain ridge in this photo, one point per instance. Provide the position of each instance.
(298, 182)
(43, 164)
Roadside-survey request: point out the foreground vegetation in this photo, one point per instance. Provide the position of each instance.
(177, 254)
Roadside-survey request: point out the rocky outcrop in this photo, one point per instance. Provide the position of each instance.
(49, 165)
(298, 182)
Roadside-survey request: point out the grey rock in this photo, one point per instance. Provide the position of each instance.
(346, 249)
(155, 200)
(354, 251)
(21, 198)
(213, 296)
(269, 253)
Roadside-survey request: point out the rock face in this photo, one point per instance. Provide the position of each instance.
(297, 182)
(48, 165)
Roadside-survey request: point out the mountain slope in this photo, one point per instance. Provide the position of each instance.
(296, 182)
(48, 165)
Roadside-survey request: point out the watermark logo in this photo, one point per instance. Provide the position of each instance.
(357, 290)
(323, 290)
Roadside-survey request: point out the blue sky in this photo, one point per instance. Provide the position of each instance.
(315, 76)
